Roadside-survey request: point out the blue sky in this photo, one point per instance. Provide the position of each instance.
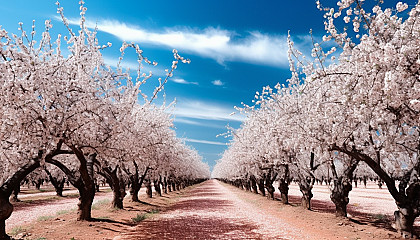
(236, 48)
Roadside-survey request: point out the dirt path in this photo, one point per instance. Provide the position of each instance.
(211, 211)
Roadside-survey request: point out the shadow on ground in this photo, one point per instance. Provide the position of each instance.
(184, 220)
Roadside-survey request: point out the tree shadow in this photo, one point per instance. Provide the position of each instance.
(193, 227)
(382, 221)
(148, 204)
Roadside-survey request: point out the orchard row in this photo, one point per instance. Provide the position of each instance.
(349, 112)
(65, 112)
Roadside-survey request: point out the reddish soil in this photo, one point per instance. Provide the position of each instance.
(215, 210)
(211, 210)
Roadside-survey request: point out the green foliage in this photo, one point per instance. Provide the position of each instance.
(143, 216)
(17, 230)
(61, 212)
(96, 205)
(139, 217)
(44, 218)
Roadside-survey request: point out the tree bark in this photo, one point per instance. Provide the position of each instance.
(284, 184)
(306, 198)
(85, 185)
(156, 184)
(136, 184)
(284, 191)
(6, 209)
(305, 186)
(165, 185)
(57, 183)
(404, 221)
(254, 184)
(118, 190)
(340, 195)
(169, 185)
(261, 186)
(148, 188)
(15, 193)
(84, 211)
(6, 189)
(269, 184)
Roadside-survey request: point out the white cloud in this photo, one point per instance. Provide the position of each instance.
(208, 111)
(218, 83)
(204, 141)
(183, 81)
(213, 43)
(187, 121)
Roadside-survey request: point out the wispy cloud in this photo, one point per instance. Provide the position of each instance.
(183, 81)
(188, 121)
(208, 111)
(132, 65)
(204, 141)
(219, 44)
(217, 83)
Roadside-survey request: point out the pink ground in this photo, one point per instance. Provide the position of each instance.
(214, 210)
(211, 211)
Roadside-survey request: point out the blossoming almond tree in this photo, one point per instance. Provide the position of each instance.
(60, 109)
(371, 100)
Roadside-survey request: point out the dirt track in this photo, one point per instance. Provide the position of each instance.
(211, 211)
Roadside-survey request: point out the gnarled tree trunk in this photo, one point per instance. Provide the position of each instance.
(284, 182)
(269, 180)
(305, 186)
(56, 182)
(253, 183)
(165, 185)
(6, 209)
(86, 187)
(156, 184)
(284, 191)
(15, 193)
(340, 195)
(6, 189)
(148, 188)
(261, 187)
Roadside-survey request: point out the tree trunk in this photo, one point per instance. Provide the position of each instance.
(269, 184)
(340, 195)
(245, 183)
(6, 209)
(6, 189)
(57, 183)
(261, 186)
(404, 220)
(284, 191)
(306, 198)
(169, 186)
(118, 189)
(156, 184)
(148, 188)
(305, 186)
(173, 185)
(86, 186)
(15, 193)
(84, 211)
(118, 198)
(60, 187)
(136, 185)
(134, 192)
(254, 184)
(165, 185)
